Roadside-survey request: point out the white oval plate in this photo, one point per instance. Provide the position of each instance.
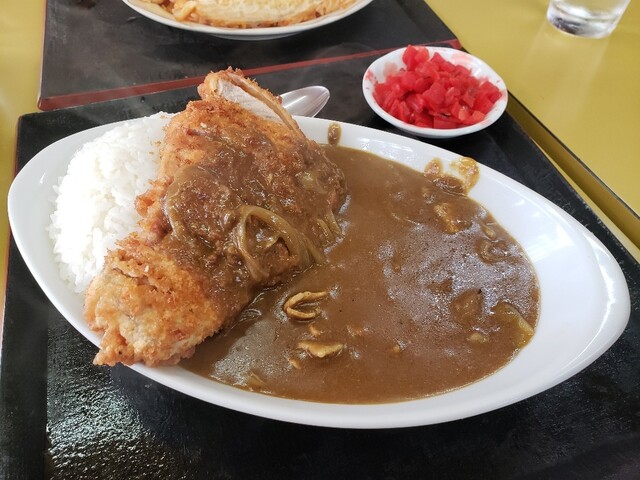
(269, 33)
(392, 62)
(585, 301)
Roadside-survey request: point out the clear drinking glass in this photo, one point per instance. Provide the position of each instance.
(586, 18)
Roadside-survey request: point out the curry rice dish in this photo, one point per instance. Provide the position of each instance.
(315, 278)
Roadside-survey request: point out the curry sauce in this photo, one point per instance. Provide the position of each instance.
(423, 293)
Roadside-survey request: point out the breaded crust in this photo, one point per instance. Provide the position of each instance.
(148, 307)
(246, 13)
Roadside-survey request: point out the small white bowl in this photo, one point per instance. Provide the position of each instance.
(392, 63)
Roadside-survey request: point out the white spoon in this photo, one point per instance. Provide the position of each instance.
(307, 101)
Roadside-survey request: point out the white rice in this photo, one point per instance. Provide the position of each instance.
(95, 200)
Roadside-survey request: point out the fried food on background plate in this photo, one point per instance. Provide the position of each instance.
(246, 13)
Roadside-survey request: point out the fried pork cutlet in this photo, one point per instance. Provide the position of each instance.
(242, 201)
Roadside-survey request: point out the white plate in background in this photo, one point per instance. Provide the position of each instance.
(267, 33)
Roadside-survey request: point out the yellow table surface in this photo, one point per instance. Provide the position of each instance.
(581, 97)
(21, 33)
(584, 91)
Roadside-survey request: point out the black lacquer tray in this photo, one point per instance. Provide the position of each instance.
(62, 417)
